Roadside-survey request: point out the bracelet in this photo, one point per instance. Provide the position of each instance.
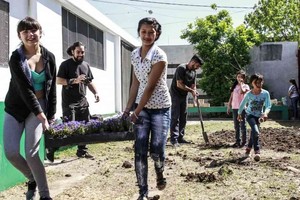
(70, 81)
(135, 115)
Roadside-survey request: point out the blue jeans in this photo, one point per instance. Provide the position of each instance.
(294, 102)
(254, 137)
(156, 122)
(239, 126)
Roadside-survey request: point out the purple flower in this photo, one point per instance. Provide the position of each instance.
(115, 123)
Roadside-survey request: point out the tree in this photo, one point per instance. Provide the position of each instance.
(225, 50)
(276, 20)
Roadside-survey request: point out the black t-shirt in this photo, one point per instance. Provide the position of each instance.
(74, 95)
(187, 76)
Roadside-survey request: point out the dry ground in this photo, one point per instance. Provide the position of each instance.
(194, 172)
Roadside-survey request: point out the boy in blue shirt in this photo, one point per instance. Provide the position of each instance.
(256, 99)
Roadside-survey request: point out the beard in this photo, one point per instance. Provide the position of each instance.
(78, 59)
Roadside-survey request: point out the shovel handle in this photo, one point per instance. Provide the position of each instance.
(205, 137)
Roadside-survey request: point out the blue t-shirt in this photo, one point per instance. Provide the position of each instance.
(256, 103)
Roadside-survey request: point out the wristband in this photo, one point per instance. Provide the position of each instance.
(135, 115)
(70, 81)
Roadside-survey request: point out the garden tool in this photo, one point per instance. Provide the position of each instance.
(201, 121)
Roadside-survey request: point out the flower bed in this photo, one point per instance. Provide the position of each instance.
(110, 129)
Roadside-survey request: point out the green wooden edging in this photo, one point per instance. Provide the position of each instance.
(217, 109)
(9, 175)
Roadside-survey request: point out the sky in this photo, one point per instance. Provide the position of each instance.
(173, 15)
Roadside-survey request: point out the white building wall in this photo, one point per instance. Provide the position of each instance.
(48, 13)
(16, 13)
(104, 80)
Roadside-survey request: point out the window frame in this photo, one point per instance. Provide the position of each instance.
(72, 31)
(4, 33)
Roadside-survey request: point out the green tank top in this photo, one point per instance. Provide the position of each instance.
(38, 80)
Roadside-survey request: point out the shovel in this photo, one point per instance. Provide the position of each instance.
(201, 121)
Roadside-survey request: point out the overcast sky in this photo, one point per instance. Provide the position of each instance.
(173, 15)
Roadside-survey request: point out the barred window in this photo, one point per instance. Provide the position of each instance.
(269, 52)
(4, 33)
(77, 29)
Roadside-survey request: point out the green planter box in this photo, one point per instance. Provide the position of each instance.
(54, 142)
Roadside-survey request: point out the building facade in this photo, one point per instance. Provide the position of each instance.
(64, 22)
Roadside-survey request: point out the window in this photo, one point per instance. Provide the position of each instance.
(126, 71)
(4, 33)
(76, 29)
(270, 52)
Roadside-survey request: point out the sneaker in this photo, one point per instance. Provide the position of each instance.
(183, 141)
(50, 154)
(257, 156)
(247, 153)
(84, 154)
(236, 145)
(45, 198)
(161, 182)
(142, 197)
(175, 143)
(243, 144)
(31, 192)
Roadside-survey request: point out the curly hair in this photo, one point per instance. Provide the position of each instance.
(73, 46)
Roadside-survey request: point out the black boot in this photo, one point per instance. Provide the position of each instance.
(161, 182)
(45, 198)
(31, 192)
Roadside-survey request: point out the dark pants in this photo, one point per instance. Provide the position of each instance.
(294, 102)
(78, 114)
(178, 117)
(239, 126)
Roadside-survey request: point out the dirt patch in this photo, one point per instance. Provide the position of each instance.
(193, 171)
(277, 139)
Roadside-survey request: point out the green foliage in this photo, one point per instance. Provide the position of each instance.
(276, 20)
(225, 50)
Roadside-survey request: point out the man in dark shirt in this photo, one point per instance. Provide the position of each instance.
(184, 81)
(75, 75)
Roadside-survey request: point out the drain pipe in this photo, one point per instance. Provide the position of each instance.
(32, 8)
(298, 57)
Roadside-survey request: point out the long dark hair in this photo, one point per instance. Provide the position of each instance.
(293, 82)
(150, 21)
(241, 72)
